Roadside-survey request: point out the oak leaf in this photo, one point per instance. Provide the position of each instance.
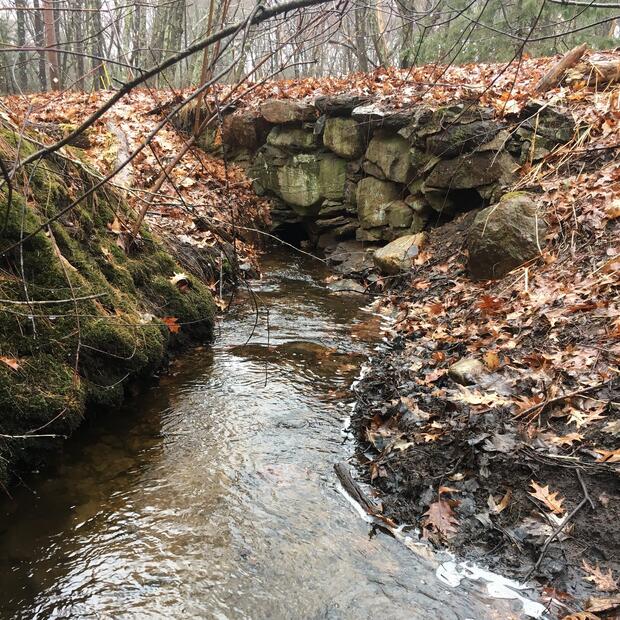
(440, 519)
(604, 582)
(549, 499)
(608, 456)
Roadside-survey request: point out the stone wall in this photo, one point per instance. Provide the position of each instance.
(344, 168)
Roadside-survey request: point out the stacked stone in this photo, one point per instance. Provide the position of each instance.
(343, 167)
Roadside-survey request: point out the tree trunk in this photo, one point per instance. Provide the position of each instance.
(360, 39)
(22, 74)
(97, 46)
(40, 41)
(50, 42)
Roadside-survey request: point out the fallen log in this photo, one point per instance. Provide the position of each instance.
(554, 75)
(595, 72)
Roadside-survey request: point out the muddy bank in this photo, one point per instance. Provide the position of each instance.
(488, 458)
(84, 310)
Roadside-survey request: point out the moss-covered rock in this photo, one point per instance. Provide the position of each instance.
(344, 136)
(78, 315)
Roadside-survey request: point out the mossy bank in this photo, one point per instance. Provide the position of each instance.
(80, 313)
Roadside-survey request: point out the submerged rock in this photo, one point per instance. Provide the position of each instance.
(396, 256)
(504, 236)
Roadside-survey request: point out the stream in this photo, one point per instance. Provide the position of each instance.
(213, 495)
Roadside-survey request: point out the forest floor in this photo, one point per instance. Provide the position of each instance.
(519, 469)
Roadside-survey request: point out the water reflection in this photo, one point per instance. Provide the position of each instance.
(212, 495)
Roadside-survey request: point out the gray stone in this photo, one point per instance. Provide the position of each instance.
(418, 223)
(466, 371)
(391, 154)
(396, 256)
(346, 286)
(471, 171)
(373, 196)
(281, 111)
(399, 214)
(339, 105)
(504, 236)
(458, 138)
(370, 234)
(332, 176)
(292, 138)
(373, 170)
(344, 136)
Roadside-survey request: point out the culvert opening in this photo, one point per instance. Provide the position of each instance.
(459, 201)
(292, 232)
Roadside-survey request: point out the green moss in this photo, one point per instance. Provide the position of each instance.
(112, 336)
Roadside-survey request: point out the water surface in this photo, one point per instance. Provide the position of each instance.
(213, 494)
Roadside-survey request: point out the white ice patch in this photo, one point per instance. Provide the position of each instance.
(452, 573)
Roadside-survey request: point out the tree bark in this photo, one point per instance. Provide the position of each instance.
(50, 42)
(22, 74)
(554, 75)
(40, 41)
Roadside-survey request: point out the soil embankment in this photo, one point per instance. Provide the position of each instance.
(85, 309)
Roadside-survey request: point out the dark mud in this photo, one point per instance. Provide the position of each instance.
(419, 446)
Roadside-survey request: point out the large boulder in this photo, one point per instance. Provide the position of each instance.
(308, 179)
(472, 171)
(390, 153)
(294, 138)
(396, 256)
(339, 105)
(373, 197)
(344, 137)
(504, 236)
(282, 111)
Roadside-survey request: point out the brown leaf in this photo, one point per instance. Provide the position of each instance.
(549, 499)
(440, 519)
(172, 323)
(11, 362)
(503, 504)
(608, 456)
(566, 440)
(609, 603)
(604, 582)
(491, 360)
(581, 615)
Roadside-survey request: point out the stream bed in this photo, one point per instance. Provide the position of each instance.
(213, 495)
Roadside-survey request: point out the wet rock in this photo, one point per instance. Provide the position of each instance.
(466, 371)
(372, 197)
(282, 111)
(396, 256)
(292, 138)
(504, 236)
(346, 286)
(332, 176)
(390, 153)
(247, 129)
(344, 136)
(471, 171)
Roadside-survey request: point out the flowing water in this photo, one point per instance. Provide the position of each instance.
(213, 495)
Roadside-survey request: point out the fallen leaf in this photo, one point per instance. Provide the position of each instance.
(605, 604)
(440, 519)
(503, 504)
(172, 323)
(11, 362)
(581, 615)
(565, 440)
(549, 499)
(608, 456)
(491, 360)
(604, 582)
